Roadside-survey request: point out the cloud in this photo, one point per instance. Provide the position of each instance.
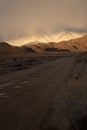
(66, 28)
(22, 18)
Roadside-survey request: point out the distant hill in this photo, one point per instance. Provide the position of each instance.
(73, 45)
(28, 49)
(7, 49)
(46, 38)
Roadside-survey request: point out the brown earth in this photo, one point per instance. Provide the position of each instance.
(50, 96)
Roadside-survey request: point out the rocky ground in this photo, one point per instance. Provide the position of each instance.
(10, 64)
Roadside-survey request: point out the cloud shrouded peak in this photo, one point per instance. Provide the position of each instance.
(20, 19)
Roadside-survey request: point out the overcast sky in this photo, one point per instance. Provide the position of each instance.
(21, 18)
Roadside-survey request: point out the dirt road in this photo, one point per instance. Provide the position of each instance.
(37, 99)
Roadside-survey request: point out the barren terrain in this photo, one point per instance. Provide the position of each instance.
(48, 96)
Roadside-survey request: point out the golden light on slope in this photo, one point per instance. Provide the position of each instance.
(64, 36)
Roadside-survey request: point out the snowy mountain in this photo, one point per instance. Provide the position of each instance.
(72, 45)
(58, 37)
(65, 36)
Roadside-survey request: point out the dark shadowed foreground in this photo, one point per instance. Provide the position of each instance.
(50, 96)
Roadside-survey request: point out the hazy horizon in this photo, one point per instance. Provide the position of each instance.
(20, 19)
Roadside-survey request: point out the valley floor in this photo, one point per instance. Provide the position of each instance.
(49, 96)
